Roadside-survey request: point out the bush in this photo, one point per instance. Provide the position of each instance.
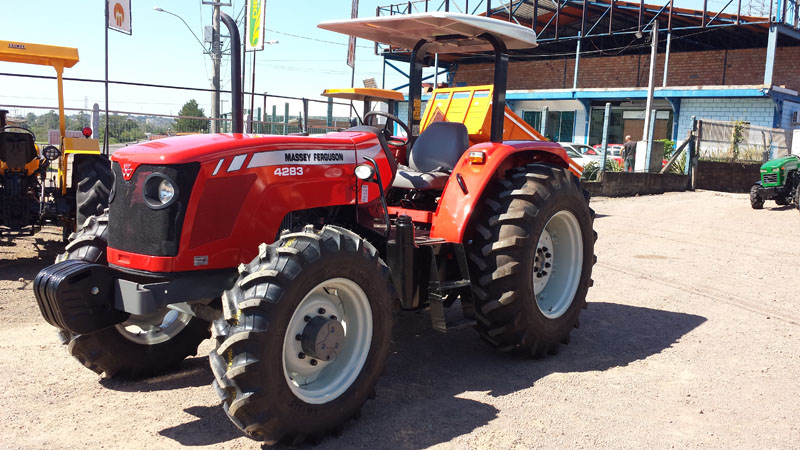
(592, 170)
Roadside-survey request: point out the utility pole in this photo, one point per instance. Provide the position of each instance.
(651, 84)
(649, 114)
(216, 58)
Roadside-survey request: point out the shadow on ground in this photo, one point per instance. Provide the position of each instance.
(43, 253)
(417, 402)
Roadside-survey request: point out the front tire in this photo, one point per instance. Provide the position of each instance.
(756, 201)
(93, 186)
(272, 385)
(141, 346)
(532, 258)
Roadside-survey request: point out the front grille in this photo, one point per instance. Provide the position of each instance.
(769, 178)
(134, 226)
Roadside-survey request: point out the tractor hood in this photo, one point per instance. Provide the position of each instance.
(780, 162)
(206, 147)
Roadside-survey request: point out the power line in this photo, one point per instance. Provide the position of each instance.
(314, 39)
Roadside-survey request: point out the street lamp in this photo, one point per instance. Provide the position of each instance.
(156, 8)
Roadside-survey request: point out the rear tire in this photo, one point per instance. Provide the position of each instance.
(531, 260)
(756, 201)
(783, 201)
(93, 186)
(262, 370)
(121, 351)
(797, 197)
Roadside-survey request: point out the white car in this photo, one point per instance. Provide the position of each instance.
(574, 152)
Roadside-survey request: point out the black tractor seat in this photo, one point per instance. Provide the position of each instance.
(16, 149)
(433, 157)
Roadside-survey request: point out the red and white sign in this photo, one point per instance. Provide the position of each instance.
(351, 45)
(119, 15)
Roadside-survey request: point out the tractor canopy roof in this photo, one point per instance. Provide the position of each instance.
(362, 94)
(446, 32)
(43, 55)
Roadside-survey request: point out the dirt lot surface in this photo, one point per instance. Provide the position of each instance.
(691, 340)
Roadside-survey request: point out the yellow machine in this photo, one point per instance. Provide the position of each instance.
(29, 195)
(366, 95)
(472, 106)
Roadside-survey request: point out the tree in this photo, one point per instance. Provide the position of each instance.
(185, 125)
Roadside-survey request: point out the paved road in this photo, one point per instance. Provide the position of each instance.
(691, 340)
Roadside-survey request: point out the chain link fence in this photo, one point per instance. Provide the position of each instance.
(127, 127)
(741, 142)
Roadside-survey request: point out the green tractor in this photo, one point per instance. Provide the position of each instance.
(780, 181)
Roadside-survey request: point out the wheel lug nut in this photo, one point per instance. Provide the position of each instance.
(321, 311)
(333, 317)
(298, 337)
(547, 265)
(539, 275)
(313, 362)
(301, 355)
(548, 255)
(307, 318)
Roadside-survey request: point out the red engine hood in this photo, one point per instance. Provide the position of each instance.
(205, 147)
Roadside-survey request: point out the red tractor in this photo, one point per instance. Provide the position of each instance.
(297, 250)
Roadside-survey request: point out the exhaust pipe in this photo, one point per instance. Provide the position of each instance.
(236, 73)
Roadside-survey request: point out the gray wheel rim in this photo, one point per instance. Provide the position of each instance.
(327, 380)
(558, 263)
(156, 328)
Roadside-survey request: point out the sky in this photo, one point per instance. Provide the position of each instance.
(162, 50)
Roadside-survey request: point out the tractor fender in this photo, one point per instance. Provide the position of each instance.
(458, 203)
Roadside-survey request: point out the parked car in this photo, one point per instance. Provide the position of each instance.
(577, 153)
(596, 151)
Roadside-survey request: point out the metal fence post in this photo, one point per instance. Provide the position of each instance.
(543, 128)
(286, 119)
(305, 115)
(329, 117)
(272, 121)
(96, 121)
(606, 124)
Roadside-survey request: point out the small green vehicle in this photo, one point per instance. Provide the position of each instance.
(780, 181)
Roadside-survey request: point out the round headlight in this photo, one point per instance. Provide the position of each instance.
(51, 152)
(165, 191)
(160, 191)
(364, 172)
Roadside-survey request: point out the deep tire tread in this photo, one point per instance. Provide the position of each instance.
(497, 258)
(238, 369)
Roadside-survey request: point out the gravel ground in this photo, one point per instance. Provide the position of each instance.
(691, 340)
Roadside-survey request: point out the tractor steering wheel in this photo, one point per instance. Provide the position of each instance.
(368, 119)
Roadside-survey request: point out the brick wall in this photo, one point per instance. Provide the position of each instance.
(744, 66)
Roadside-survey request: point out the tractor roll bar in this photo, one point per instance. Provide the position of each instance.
(418, 55)
(236, 74)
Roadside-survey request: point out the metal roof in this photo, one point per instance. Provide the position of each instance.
(448, 32)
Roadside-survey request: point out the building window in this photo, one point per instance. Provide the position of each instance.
(533, 118)
(560, 126)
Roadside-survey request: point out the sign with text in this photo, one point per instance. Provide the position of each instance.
(119, 15)
(256, 13)
(351, 45)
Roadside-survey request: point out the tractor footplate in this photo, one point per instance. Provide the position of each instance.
(78, 296)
